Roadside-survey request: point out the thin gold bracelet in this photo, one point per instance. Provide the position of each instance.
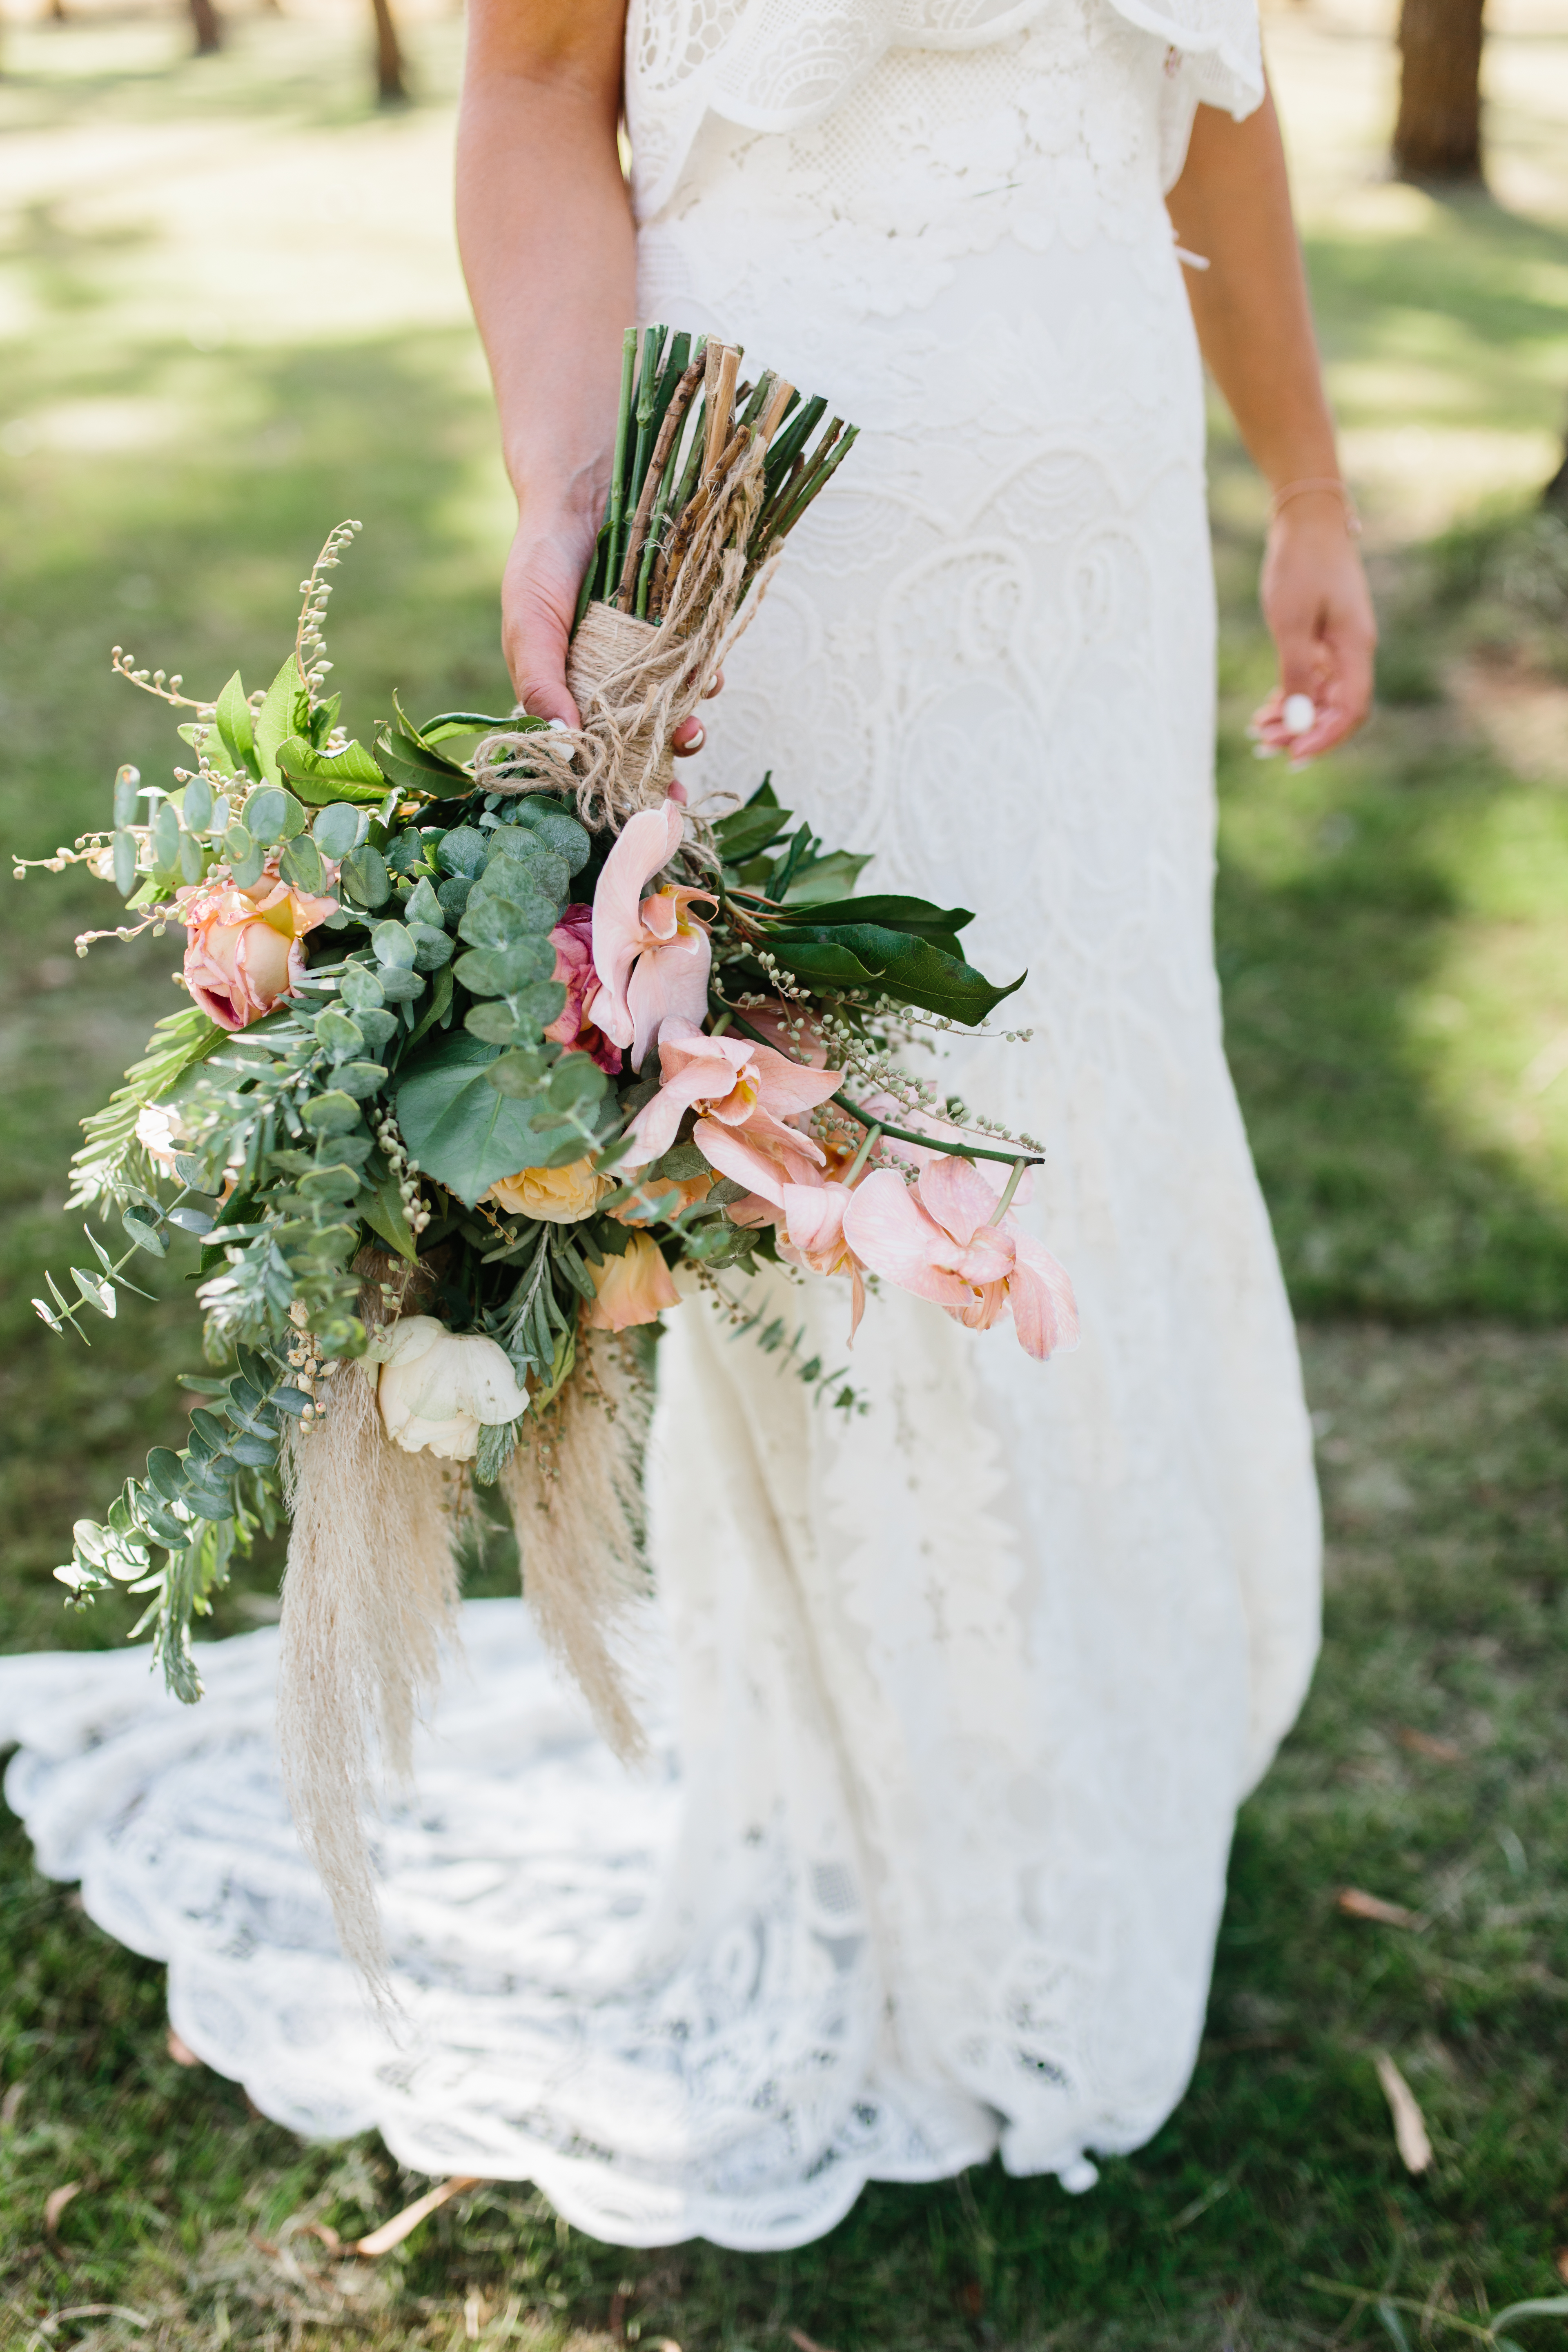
(1289, 490)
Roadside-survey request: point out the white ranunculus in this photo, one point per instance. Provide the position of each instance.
(435, 1390)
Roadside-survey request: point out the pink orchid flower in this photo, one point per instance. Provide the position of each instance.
(652, 955)
(938, 1240)
(745, 1094)
(814, 1217)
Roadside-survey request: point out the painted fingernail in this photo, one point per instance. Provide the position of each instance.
(1298, 714)
(1265, 751)
(695, 740)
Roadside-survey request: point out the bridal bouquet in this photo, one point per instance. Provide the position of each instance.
(481, 1053)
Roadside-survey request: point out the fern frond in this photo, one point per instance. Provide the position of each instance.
(102, 1166)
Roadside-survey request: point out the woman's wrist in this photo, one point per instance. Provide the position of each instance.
(1311, 500)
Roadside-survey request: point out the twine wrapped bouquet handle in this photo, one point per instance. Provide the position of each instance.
(682, 577)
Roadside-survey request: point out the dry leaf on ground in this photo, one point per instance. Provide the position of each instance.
(1357, 1904)
(1409, 2123)
(803, 2342)
(1422, 1743)
(392, 2233)
(55, 2204)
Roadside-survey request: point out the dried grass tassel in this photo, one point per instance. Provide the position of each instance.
(370, 1594)
(576, 1501)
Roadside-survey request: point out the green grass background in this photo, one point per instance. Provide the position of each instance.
(229, 314)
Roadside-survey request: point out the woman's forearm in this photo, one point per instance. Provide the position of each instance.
(545, 229)
(1232, 206)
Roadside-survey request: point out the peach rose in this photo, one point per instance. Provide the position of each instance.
(633, 1288)
(244, 952)
(557, 1196)
(663, 1196)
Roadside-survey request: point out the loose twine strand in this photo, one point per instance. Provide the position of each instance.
(635, 683)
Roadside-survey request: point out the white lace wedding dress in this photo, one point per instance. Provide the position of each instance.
(955, 1702)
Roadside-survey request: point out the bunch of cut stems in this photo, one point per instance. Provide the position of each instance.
(685, 421)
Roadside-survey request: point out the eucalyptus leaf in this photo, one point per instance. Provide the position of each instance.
(127, 782)
(462, 1131)
(300, 863)
(336, 829)
(394, 946)
(361, 988)
(166, 837)
(196, 805)
(364, 876)
(462, 851)
(265, 814)
(125, 862)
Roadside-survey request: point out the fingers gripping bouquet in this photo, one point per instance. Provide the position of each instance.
(480, 1054)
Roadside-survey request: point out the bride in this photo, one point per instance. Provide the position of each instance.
(956, 1701)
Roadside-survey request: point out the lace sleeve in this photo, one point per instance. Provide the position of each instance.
(782, 65)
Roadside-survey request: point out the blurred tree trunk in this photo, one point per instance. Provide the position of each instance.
(1439, 134)
(207, 27)
(390, 86)
(1555, 495)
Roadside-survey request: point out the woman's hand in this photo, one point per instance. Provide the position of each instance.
(1319, 611)
(539, 599)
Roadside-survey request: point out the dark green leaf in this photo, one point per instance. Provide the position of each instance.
(893, 914)
(894, 964)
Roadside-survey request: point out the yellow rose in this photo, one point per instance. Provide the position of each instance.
(558, 1196)
(632, 1288)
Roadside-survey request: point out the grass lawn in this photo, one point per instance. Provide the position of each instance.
(228, 315)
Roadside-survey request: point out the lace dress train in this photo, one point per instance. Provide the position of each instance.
(954, 1701)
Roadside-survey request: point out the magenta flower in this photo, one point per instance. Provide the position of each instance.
(652, 955)
(576, 1028)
